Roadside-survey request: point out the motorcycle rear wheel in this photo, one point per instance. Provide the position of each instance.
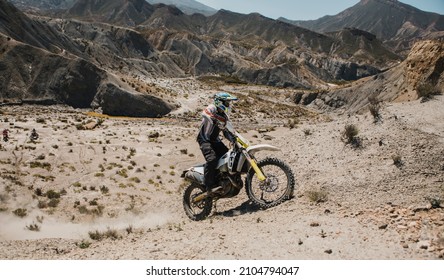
(200, 210)
(278, 187)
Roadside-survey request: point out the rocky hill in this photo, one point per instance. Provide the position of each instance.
(395, 23)
(39, 64)
(127, 40)
(42, 5)
(260, 50)
(127, 13)
(423, 68)
(127, 43)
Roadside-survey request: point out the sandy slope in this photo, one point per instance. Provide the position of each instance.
(122, 176)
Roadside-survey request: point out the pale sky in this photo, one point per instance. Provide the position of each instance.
(306, 9)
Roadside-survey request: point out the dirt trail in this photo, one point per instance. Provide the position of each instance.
(123, 177)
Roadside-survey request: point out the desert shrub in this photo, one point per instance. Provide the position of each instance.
(109, 233)
(104, 189)
(41, 157)
(292, 123)
(132, 152)
(375, 109)
(435, 201)
(122, 172)
(96, 235)
(83, 209)
(20, 212)
(42, 204)
(38, 192)
(43, 165)
(317, 196)
(93, 202)
(84, 244)
(100, 121)
(33, 227)
(52, 194)
(112, 233)
(54, 202)
(350, 136)
(135, 179)
(427, 91)
(398, 161)
(98, 211)
(129, 229)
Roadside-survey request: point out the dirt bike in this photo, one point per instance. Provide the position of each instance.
(268, 182)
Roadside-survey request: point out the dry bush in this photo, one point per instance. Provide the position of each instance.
(398, 161)
(350, 136)
(20, 212)
(109, 233)
(427, 91)
(375, 109)
(33, 227)
(317, 196)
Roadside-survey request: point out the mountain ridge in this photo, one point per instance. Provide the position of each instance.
(395, 23)
(189, 7)
(130, 39)
(45, 66)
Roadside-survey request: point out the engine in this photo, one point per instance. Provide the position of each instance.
(231, 185)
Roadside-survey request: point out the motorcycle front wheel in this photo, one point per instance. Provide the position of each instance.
(277, 187)
(196, 211)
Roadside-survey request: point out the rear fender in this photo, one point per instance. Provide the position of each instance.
(194, 174)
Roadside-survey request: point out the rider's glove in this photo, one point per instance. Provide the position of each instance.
(221, 124)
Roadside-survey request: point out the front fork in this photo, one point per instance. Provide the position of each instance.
(252, 161)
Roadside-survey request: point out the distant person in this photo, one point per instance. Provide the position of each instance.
(214, 119)
(34, 135)
(5, 135)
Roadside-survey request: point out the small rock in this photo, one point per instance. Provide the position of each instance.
(90, 125)
(314, 224)
(154, 135)
(420, 208)
(329, 251)
(384, 226)
(423, 244)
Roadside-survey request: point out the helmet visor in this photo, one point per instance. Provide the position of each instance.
(226, 103)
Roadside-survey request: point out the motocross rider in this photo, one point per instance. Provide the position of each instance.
(214, 119)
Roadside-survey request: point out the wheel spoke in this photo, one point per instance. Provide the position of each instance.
(199, 210)
(276, 188)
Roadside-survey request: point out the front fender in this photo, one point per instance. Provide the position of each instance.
(261, 147)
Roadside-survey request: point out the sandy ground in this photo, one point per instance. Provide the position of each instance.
(121, 180)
